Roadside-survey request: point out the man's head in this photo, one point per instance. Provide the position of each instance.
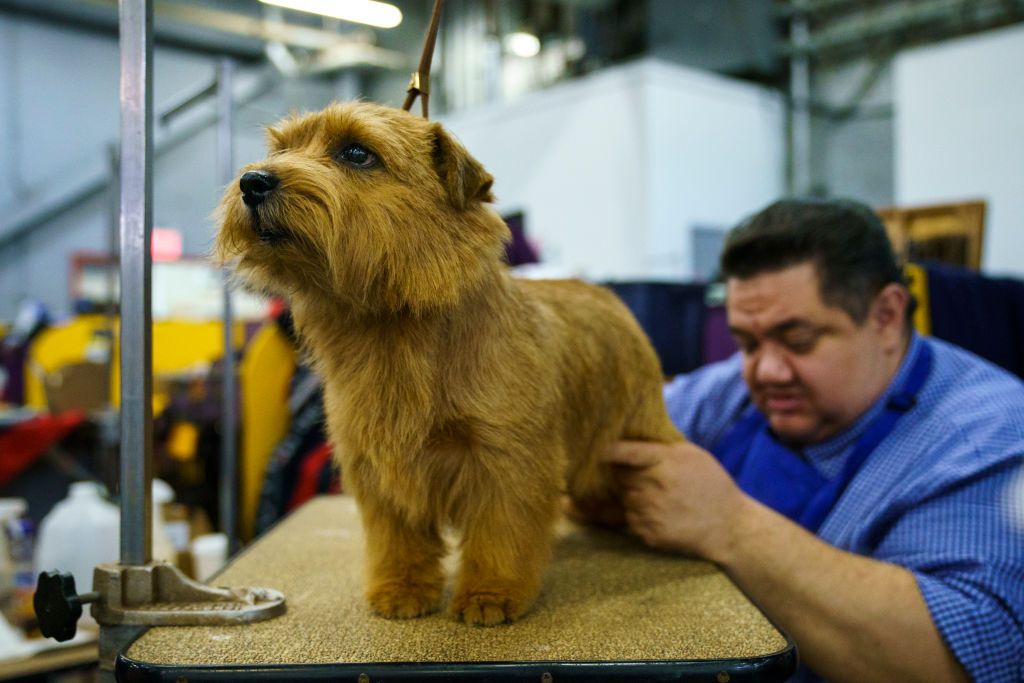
(817, 304)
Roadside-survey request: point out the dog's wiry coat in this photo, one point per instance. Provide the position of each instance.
(455, 394)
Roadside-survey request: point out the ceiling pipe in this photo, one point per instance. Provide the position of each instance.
(895, 18)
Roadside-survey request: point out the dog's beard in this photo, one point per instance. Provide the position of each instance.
(266, 228)
(272, 259)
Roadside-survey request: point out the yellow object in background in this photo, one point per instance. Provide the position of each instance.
(917, 283)
(182, 441)
(58, 346)
(179, 346)
(264, 375)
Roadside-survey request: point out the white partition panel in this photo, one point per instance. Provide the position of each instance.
(615, 170)
(960, 134)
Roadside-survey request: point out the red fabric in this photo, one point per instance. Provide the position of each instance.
(23, 444)
(309, 475)
(276, 307)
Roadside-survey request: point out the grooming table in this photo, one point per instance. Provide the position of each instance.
(610, 610)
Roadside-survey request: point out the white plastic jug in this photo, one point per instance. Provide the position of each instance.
(163, 548)
(10, 508)
(81, 531)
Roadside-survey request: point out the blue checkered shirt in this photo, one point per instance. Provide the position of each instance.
(942, 495)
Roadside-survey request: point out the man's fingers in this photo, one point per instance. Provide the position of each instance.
(637, 454)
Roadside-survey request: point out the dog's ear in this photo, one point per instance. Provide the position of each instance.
(274, 138)
(463, 177)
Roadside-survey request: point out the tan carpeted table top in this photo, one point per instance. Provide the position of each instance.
(606, 598)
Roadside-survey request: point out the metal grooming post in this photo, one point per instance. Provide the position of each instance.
(137, 593)
(229, 420)
(136, 344)
(136, 266)
(801, 162)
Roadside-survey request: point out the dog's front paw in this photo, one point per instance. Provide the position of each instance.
(404, 599)
(486, 609)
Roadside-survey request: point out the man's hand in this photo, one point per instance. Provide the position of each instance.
(678, 497)
(851, 616)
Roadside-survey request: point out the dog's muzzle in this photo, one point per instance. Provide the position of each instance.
(256, 186)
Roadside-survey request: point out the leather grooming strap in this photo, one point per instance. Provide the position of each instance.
(420, 82)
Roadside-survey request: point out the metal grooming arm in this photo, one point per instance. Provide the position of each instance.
(139, 592)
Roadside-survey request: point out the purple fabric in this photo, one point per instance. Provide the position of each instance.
(982, 314)
(12, 358)
(519, 251)
(672, 315)
(718, 343)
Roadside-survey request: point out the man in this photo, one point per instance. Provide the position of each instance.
(852, 478)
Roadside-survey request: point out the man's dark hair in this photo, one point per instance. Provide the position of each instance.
(844, 239)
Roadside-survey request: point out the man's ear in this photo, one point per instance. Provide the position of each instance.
(889, 311)
(463, 177)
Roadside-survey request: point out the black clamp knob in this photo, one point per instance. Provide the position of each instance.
(58, 606)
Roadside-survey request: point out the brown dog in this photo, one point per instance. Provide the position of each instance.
(455, 394)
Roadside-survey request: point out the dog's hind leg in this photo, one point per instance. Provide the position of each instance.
(649, 420)
(506, 544)
(591, 484)
(404, 577)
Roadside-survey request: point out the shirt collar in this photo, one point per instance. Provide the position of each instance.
(827, 456)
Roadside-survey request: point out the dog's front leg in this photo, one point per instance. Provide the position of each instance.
(505, 548)
(404, 578)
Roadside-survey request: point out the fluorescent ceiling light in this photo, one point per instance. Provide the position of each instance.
(370, 12)
(522, 44)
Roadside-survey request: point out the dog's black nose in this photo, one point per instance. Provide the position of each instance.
(256, 186)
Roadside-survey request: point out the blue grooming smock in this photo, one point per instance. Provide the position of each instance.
(941, 493)
(769, 471)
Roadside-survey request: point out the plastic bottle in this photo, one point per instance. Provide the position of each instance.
(163, 548)
(12, 642)
(9, 508)
(81, 531)
(19, 534)
(209, 554)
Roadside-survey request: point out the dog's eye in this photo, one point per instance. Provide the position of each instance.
(357, 155)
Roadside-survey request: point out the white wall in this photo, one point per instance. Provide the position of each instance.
(716, 153)
(572, 160)
(960, 134)
(613, 170)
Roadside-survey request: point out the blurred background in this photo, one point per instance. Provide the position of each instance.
(628, 133)
(625, 136)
